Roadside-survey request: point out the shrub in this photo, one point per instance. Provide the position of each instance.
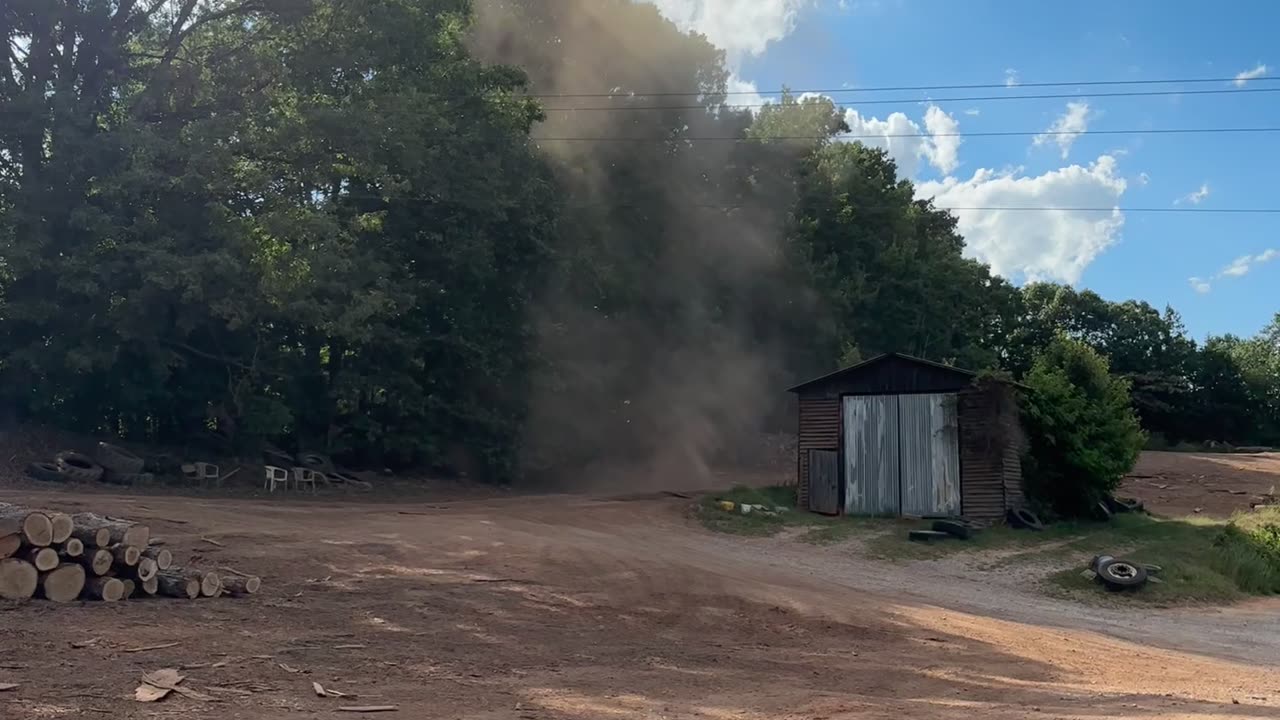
(1082, 432)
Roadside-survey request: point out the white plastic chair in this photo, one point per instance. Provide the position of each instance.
(304, 476)
(276, 476)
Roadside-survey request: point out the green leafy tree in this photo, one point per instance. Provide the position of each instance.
(1082, 432)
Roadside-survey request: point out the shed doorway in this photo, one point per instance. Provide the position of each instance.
(901, 455)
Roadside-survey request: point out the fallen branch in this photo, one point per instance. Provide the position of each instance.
(149, 648)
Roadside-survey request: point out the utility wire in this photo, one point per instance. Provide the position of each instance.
(972, 98)
(995, 133)
(905, 88)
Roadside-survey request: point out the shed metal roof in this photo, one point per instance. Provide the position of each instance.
(853, 369)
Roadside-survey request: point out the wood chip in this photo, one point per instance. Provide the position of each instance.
(7, 686)
(319, 689)
(369, 708)
(288, 668)
(211, 541)
(149, 648)
(349, 647)
(81, 644)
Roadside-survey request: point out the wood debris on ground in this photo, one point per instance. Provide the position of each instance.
(62, 557)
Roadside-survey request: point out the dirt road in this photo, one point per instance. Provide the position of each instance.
(560, 607)
(1212, 484)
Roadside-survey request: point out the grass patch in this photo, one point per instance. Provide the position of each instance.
(823, 530)
(1202, 560)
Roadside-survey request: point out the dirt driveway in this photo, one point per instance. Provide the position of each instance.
(1213, 484)
(560, 607)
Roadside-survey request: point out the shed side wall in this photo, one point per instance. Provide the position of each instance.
(819, 430)
(982, 458)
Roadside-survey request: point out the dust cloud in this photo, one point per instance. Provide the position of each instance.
(663, 350)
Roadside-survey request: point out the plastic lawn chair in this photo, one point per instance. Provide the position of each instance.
(305, 476)
(276, 476)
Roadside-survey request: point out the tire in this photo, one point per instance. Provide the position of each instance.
(1101, 512)
(955, 528)
(45, 472)
(927, 536)
(1024, 519)
(1120, 574)
(118, 460)
(315, 461)
(1098, 560)
(115, 478)
(77, 467)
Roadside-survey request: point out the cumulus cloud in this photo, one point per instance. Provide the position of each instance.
(1195, 197)
(1238, 268)
(743, 92)
(1010, 77)
(938, 143)
(1246, 75)
(739, 27)
(1069, 126)
(1143, 178)
(1054, 244)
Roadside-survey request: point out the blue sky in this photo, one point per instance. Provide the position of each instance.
(1234, 259)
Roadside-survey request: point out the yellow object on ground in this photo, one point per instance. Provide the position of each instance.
(726, 505)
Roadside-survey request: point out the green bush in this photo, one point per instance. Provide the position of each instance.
(1082, 432)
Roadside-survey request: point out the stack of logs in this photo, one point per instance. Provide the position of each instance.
(64, 557)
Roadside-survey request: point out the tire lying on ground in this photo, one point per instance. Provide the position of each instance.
(45, 472)
(118, 460)
(315, 461)
(1024, 519)
(955, 528)
(1120, 574)
(77, 467)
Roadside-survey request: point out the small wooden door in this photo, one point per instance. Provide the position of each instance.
(824, 482)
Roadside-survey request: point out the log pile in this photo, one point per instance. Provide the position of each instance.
(61, 558)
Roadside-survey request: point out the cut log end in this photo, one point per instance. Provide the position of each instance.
(130, 588)
(73, 548)
(107, 589)
(62, 526)
(97, 561)
(44, 559)
(119, 532)
(92, 537)
(63, 584)
(163, 558)
(146, 569)
(240, 585)
(126, 555)
(35, 528)
(210, 584)
(149, 587)
(18, 579)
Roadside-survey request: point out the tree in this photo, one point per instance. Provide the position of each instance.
(1083, 435)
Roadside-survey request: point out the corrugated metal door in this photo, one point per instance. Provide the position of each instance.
(871, 455)
(824, 482)
(930, 455)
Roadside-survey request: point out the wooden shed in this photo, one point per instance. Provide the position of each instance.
(901, 436)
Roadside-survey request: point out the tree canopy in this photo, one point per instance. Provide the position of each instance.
(387, 229)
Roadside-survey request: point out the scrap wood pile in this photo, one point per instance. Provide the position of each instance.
(63, 557)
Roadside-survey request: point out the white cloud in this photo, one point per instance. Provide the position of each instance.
(1143, 178)
(973, 112)
(1067, 127)
(1010, 77)
(1247, 75)
(739, 27)
(1036, 244)
(1195, 197)
(939, 142)
(944, 150)
(1238, 268)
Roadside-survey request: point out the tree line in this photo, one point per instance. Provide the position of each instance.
(367, 227)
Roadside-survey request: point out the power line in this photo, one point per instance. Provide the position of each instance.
(905, 88)
(994, 133)
(972, 98)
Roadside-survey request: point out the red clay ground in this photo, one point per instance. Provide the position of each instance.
(1176, 484)
(561, 607)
